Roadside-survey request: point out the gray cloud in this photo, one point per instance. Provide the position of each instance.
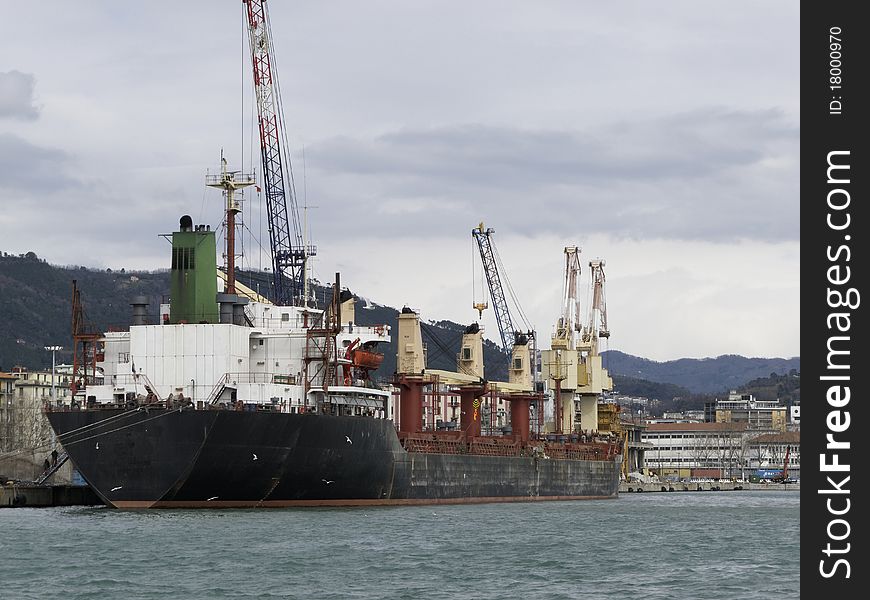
(16, 96)
(708, 174)
(27, 168)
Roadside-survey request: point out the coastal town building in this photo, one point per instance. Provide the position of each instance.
(636, 448)
(767, 453)
(745, 408)
(794, 416)
(23, 394)
(732, 450)
(7, 410)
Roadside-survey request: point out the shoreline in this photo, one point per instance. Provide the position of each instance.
(707, 486)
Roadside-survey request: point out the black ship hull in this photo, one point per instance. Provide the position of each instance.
(223, 458)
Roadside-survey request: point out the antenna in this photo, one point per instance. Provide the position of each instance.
(229, 182)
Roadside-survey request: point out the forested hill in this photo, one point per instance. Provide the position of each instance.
(699, 375)
(36, 307)
(36, 311)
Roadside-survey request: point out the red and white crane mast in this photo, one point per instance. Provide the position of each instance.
(289, 253)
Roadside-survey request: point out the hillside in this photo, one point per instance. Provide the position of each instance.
(699, 375)
(784, 387)
(36, 305)
(632, 386)
(35, 311)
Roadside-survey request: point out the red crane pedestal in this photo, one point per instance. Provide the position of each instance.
(520, 416)
(469, 420)
(410, 405)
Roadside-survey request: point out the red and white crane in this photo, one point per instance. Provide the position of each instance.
(289, 252)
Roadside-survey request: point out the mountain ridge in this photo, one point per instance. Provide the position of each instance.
(699, 375)
(35, 311)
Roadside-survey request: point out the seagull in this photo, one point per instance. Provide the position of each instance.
(116, 488)
(349, 441)
(212, 498)
(255, 457)
(327, 481)
(98, 445)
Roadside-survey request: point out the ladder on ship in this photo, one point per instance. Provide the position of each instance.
(218, 389)
(61, 459)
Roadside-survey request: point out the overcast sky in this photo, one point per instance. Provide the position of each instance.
(662, 137)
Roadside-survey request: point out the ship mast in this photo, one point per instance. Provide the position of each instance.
(229, 182)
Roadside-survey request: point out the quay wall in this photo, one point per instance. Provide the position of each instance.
(706, 486)
(47, 495)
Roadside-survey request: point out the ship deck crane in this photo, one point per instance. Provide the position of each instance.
(491, 267)
(289, 252)
(520, 347)
(506, 328)
(569, 322)
(573, 361)
(596, 323)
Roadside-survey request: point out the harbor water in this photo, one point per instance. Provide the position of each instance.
(698, 545)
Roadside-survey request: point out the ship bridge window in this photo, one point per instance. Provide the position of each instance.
(518, 363)
(285, 316)
(466, 353)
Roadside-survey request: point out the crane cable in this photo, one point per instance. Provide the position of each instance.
(279, 110)
(430, 330)
(510, 288)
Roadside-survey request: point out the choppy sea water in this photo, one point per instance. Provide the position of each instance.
(689, 545)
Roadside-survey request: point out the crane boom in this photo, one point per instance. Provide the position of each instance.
(499, 302)
(289, 253)
(596, 325)
(570, 302)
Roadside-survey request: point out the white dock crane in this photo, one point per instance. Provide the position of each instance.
(573, 363)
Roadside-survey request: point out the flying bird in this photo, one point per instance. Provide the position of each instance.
(327, 481)
(255, 457)
(349, 441)
(98, 445)
(212, 498)
(116, 488)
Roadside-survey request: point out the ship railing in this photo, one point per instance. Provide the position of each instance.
(247, 377)
(149, 386)
(243, 377)
(455, 442)
(382, 330)
(430, 443)
(581, 451)
(270, 322)
(496, 446)
(135, 379)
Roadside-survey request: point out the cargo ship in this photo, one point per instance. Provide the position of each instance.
(229, 400)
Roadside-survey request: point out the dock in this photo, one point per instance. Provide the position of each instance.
(705, 486)
(33, 495)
